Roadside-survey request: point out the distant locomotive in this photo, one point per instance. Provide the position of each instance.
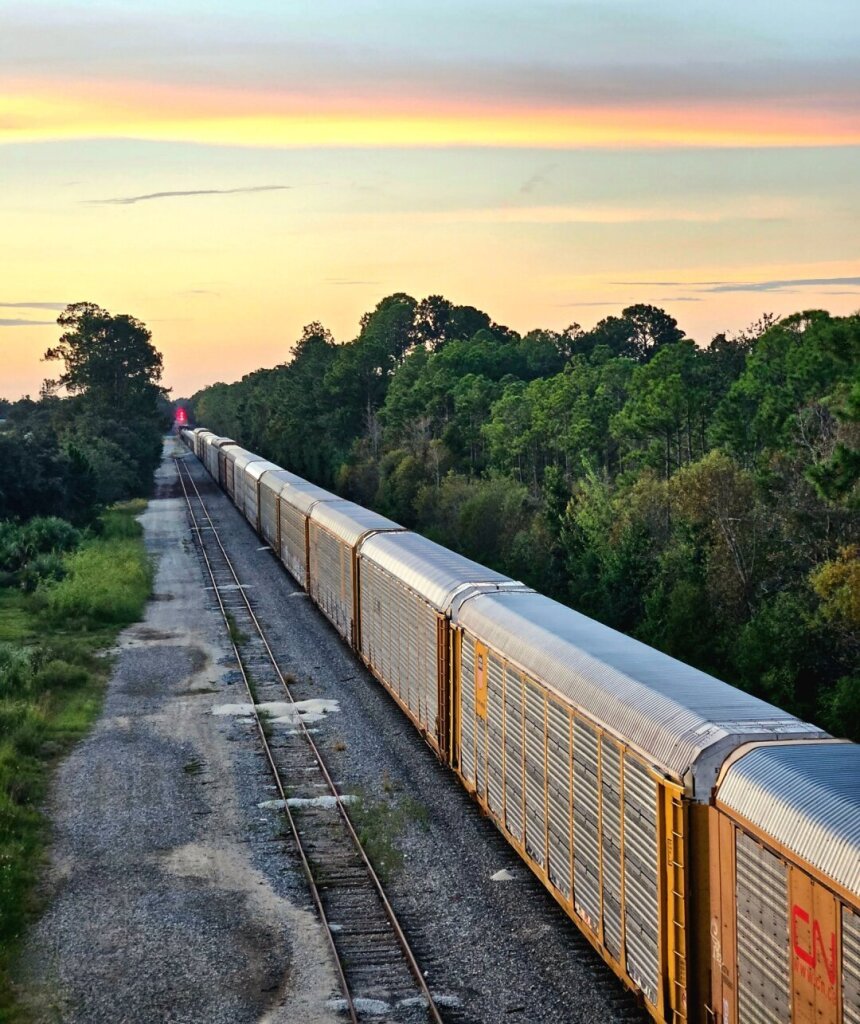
(705, 842)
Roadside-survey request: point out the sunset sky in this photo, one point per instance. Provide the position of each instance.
(229, 172)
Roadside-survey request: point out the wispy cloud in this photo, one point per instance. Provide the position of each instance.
(131, 200)
(779, 285)
(14, 322)
(775, 285)
(33, 305)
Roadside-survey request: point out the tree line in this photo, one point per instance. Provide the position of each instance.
(93, 436)
(701, 498)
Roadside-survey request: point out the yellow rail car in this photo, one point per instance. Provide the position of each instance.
(596, 757)
(785, 913)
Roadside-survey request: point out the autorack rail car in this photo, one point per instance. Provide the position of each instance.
(336, 530)
(407, 589)
(251, 499)
(271, 484)
(296, 500)
(705, 842)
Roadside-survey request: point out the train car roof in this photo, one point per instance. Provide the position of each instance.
(275, 479)
(255, 470)
(303, 495)
(433, 572)
(232, 450)
(806, 798)
(348, 521)
(218, 442)
(244, 458)
(684, 721)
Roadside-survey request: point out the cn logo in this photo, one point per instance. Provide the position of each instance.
(817, 952)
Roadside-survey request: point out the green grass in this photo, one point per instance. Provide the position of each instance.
(52, 678)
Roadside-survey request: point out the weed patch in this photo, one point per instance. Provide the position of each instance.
(52, 675)
(381, 824)
(236, 635)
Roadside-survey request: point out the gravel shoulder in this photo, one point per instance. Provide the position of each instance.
(166, 892)
(174, 897)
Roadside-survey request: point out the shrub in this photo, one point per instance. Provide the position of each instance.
(107, 584)
(43, 568)
(49, 533)
(12, 554)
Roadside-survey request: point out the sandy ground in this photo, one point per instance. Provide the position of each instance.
(159, 909)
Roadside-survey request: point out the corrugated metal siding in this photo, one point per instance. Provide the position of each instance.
(513, 714)
(253, 472)
(493, 737)
(228, 453)
(269, 515)
(433, 572)
(211, 451)
(241, 460)
(349, 522)
(296, 499)
(210, 456)
(641, 887)
(467, 712)
(807, 797)
(293, 541)
(558, 796)
(535, 773)
(850, 967)
(271, 484)
(764, 984)
(610, 795)
(670, 712)
(330, 561)
(586, 843)
(399, 640)
(586, 814)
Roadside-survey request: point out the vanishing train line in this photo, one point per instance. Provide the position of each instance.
(705, 842)
(370, 951)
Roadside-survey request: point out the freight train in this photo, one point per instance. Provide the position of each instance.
(705, 842)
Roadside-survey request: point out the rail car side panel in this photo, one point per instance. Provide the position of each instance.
(399, 641)
(583, 811)
(251, 501)
(269, 517)
(330, 578)
(850, 966)
(294, 542)
(785, 948)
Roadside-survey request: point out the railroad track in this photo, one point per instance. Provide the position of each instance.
(379, 975)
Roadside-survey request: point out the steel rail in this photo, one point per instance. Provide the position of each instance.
(306, 868)
(409, 956)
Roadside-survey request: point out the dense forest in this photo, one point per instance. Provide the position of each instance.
(701, 498)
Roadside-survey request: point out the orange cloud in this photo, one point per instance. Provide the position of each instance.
(42, 110)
